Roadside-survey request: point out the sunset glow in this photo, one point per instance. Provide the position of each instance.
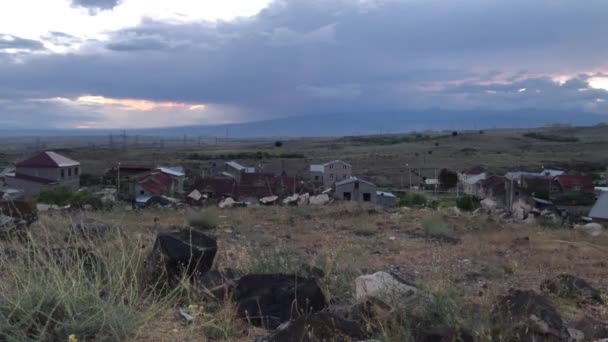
(135, 104)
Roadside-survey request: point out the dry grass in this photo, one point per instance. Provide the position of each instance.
(491, 258)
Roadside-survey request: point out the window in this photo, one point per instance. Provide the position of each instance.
(62, 173)
(367, 197)
(356, 185)
(316, 178)
(344, 176)
(69, 172)
(76, 171)
(141, 192)
(331, 176)
(347, 196)
(331, 166)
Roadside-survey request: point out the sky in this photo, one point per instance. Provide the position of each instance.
(142, 63)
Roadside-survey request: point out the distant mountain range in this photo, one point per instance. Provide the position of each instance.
(345, 124)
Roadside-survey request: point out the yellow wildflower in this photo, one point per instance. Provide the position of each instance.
(72, 338)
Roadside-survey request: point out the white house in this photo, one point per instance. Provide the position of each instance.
(330, 173)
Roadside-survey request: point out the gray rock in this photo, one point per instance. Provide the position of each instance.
(591, 229)
(319, 200)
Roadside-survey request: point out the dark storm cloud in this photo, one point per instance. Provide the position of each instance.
(94, 6)
(304, 56)
(8, 41)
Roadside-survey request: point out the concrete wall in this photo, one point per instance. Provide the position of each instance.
(29, 188)
(336, 172)
(68, 177)
(357, 194)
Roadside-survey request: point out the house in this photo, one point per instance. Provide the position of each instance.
(329, 173)
(431, 184)
(470, 180)
(355, 189)
(160, 182)
(178, 175)
(218, 167)
(386, 199)
(599, 212)
(43, 171)
(495, 188)
(249, 185)
(129, 169)
(572, 189)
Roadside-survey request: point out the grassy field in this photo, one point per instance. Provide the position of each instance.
(383, 159)
(345, 240)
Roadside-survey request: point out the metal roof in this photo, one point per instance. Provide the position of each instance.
(316, 168)
(600, 209)
(172, 171)
(385, 194)
(236, 165)
(336, 161)
(353, 179)
(48, 159)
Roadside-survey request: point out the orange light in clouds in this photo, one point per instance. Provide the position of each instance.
(136, 105)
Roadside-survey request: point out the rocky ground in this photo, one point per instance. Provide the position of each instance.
(472, 271)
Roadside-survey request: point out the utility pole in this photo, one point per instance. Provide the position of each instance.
(118, 183)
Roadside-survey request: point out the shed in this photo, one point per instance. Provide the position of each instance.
(386, 199)
(355, 189)
(599, 212)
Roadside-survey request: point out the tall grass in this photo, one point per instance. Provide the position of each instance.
(93, 292)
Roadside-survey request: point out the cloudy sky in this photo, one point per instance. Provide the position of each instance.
(143, 63)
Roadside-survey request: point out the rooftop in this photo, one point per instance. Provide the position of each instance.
(48, 159)
(353, 179)
(600, 209)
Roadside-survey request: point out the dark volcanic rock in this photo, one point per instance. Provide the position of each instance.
(527, 316)
(269, 300)
(218, 284)
(179, 254)
(317, 327)
(447, 335)
(593, 329)
(569, 286)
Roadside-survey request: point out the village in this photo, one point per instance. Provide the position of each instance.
(433, 249)
(559, 197)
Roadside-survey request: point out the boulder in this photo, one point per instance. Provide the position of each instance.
(270, 200)
(291, 200)
(447, 335)
(530, 220)
(521, 206)
(268, 300)
(393, 292)
(569, 286)
(593, 329)
(591, 229)
(317, 327)
(519, 214)
(528, 316)
(319, 200)
(304, 199)
(217, 284)
(178, 255)
(227, 203)
(455, 211)
(90, 228)
(488, 205)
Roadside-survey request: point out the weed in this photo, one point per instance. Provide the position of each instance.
(203, 219)
(436, 226)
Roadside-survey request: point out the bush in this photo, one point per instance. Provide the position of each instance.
(46, 296)
(60, 196)
(448, 178)
(467, 203)
(203, 220)
(63, 196)
(410, 200)
(550, 137)
(436, 226)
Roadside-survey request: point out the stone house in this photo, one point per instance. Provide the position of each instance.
(329, 173)
(572, 189)
(160, 182)
(44, 171)
(357, 190)
(470, 180)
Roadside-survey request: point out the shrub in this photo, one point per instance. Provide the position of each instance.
(550, 137)
(448, 178)
(467, 203)
(275, 259)
(46, 296)
(59, 196)
(436, 225)
(410, 200)
(203, 219)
